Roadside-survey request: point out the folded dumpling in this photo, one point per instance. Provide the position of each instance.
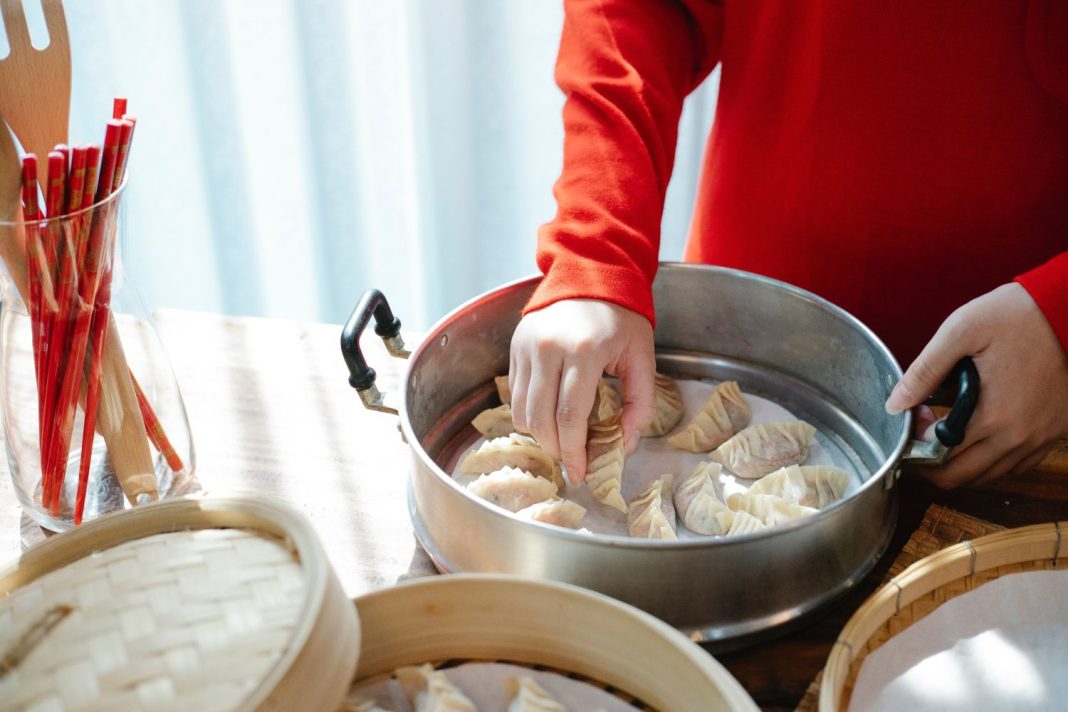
(529, 696)
(807, 485)
(698, 504)
(512, 489)
(607, 404)
(515, 450)
(561, 512)
(651, 514)
(740, 522)
(495, 422)
(359, 704)
(428, 690)
(504, 391)
(765, 447)
(604, 463)
(724, 413)
(668, 407)
(768, 508)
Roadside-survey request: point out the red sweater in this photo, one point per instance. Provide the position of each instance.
(898, 158)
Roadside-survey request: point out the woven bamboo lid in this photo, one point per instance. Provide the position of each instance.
(924, 586)
(206, 604)
(542, 624)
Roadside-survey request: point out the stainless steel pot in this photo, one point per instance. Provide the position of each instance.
(777, 341)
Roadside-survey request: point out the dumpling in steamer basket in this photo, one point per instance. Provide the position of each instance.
(561, 512)
(765, 447)
(504, 391)
(807, 485)
(495, 422)
(604, 463)
(512, 489)
(428, 690)
(769, 509)
(724, 413)
(514, 450)
(737, 523)
(668, 407)
(607, 404)
(651, 514)
(529, 696)
(698, 504)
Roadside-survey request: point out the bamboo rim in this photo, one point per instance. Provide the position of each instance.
(924, 585)
(321, 653)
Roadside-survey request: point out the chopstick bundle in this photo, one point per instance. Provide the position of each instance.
(69, 285)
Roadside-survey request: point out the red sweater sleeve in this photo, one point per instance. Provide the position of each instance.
(625, 67)
(1048, 286)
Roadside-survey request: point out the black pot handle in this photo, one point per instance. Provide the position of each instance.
(961, 388)
(362, 376)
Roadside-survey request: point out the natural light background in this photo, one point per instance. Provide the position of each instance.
(290, 155)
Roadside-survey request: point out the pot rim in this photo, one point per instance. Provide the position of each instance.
(891, 461)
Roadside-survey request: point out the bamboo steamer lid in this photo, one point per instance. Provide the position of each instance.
(530, 622)
(927, 584)
(221, 603)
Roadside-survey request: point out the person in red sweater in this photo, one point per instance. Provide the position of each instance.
(907, 161)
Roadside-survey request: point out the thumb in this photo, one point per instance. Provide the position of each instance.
(930, 368)
(639, 397)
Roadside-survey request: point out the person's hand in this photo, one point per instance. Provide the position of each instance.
(557, 358)
(1023, 376)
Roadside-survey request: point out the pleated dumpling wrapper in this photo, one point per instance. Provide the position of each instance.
(607, 404)
(504, 391)
(428, 690)
(724, 413)
(668, 407)
(807, 485)
(604, 463)
(698, 504)
(765, 447)
(768, 508)
(512, 489)
(495, 422)
(737, 523)
(515, 450)
(561, 512)
(529, 696)
(359, 704)
(651, 514)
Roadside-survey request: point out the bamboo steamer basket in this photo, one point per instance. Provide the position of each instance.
(541, 624)
(299, 653)
(927, 584)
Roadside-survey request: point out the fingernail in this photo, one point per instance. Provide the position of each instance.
(893, 403)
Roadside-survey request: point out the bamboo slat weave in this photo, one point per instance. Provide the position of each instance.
(182, 620)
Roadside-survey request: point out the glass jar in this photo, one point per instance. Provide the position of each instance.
(73, 333)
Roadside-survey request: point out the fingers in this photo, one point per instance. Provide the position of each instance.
(636, 376)
(949, 345)
(540, 402)
(578, 388)
(519, 382)
(924, 421)
(965, 465)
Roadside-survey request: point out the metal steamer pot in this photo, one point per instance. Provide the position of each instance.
(777, 341)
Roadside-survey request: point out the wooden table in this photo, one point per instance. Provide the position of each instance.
(272, 412)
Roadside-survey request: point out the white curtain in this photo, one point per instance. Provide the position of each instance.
(291, 154)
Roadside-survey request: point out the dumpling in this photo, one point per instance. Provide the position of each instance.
(724, 413)
(607, 404)
(504, 391)
(651, 514)
(697, 503)
(359, 704)
(429, 690)
(807, 485)
(769, 509)
(561, 512)
(512, 489)
(515, 450)
(495, 422)
(604, 463)
(739, 522)
(765, 447)
(668, 407)
(529, 696)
